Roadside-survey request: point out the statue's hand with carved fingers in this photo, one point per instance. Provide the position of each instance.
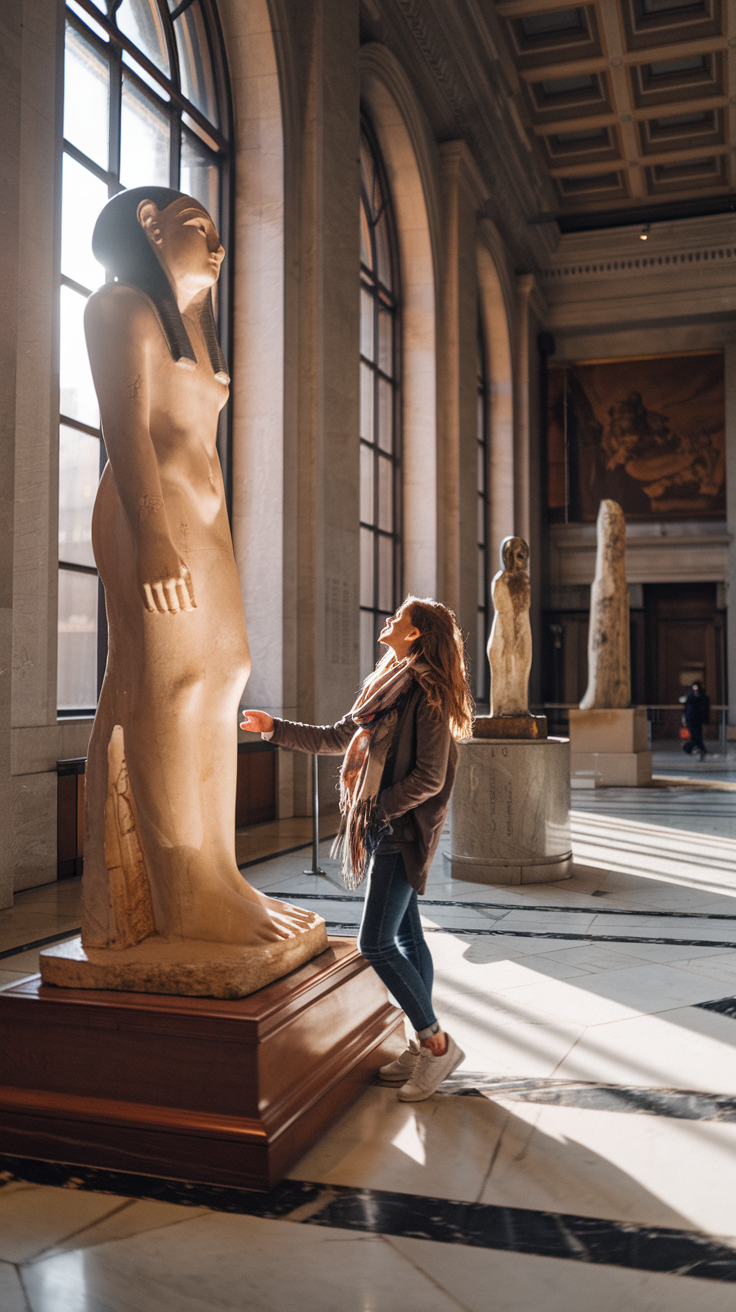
(163, 578)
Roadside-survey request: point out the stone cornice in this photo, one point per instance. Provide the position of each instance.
(671, 556)
(666, 262)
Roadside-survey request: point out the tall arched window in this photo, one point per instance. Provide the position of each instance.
(482, 668)
(145, 101)
(380, 447)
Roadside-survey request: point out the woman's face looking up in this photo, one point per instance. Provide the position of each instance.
(400, 632)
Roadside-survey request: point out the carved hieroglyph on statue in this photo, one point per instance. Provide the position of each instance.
(609, 660)
(165, 908)
(510, 643)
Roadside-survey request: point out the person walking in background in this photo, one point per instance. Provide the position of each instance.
(697, 713)
(395, 785)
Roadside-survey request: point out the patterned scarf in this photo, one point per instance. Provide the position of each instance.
(376, 713)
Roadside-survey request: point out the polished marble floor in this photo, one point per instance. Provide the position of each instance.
(583, 1157)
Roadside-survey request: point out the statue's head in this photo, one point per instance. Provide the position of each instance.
(514, 555)
(611, 516)
(165, 244)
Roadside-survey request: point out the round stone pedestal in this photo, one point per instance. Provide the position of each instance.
(510, 812)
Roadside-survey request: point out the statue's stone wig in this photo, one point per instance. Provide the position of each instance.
(123, 249)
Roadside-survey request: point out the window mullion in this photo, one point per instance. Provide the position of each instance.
(376, 463)
(116, 93)
(174, 148)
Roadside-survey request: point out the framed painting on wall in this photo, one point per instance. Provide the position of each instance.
(648, 432)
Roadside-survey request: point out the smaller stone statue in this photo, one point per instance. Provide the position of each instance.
(609, 661)
(510, 643)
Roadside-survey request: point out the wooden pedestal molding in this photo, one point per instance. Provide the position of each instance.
(228, 1092)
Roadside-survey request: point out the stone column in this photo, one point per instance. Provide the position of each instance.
(457, 485)
(730, 372)
(522, 508)
(327, 456)
(11, 39)
(30, 741)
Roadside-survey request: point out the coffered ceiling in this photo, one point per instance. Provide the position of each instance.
(632, 102)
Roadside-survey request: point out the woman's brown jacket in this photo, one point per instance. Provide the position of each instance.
(416, 797)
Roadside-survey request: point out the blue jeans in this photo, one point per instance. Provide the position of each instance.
(391, 939)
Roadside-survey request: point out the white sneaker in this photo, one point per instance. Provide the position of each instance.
(401, 1070)
(430, 1071)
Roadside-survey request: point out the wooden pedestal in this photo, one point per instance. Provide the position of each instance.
(192, 1088)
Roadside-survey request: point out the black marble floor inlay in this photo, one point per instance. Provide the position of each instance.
(511, 906)
(680, 1104)
(726, 1006)
(441, 1220)
(340, 927)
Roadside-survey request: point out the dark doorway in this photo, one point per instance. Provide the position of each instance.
(684, 642)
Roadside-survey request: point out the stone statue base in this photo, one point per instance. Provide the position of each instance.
(228, 1092)
(608, 748)
(510, 726)
(189, 968)
(510, 812)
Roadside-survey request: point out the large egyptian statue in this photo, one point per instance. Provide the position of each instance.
(161, 772)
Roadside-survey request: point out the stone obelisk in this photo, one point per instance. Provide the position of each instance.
(608, 736)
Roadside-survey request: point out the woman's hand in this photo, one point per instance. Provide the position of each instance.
(257, 721)
(163, 578)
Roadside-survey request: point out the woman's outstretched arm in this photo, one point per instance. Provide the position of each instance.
(326, 739)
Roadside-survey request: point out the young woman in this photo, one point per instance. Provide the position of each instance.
(395, 787)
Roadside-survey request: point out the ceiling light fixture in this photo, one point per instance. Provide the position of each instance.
(644, 234)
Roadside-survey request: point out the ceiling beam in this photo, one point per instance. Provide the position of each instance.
(604, 166)
(612, 40)
(599, 63)
(638, 115)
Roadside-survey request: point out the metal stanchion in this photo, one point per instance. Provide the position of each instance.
(316, 868)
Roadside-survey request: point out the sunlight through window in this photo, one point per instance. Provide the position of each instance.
(142, 104)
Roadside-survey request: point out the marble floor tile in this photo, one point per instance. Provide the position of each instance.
(687, 1048)
(27, 963)
(507, 974)
(596, 956)
(549, 921)
(718, 966)
(616, 994)
(34, 1217)
(488, 1281)
(671, 954)
(552, 968)
(10, 977)
(225, 1263)
(514, 947)
(439, 1148)
(645, 1170)
(131, 1217)
(12, 1298)
(520, 1048)
(28, 927)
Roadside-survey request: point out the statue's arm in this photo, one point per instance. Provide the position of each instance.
(121, 330)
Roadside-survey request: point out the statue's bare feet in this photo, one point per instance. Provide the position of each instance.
(200, 906)
(295, 915)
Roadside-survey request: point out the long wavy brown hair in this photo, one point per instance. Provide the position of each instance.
(439, 651)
